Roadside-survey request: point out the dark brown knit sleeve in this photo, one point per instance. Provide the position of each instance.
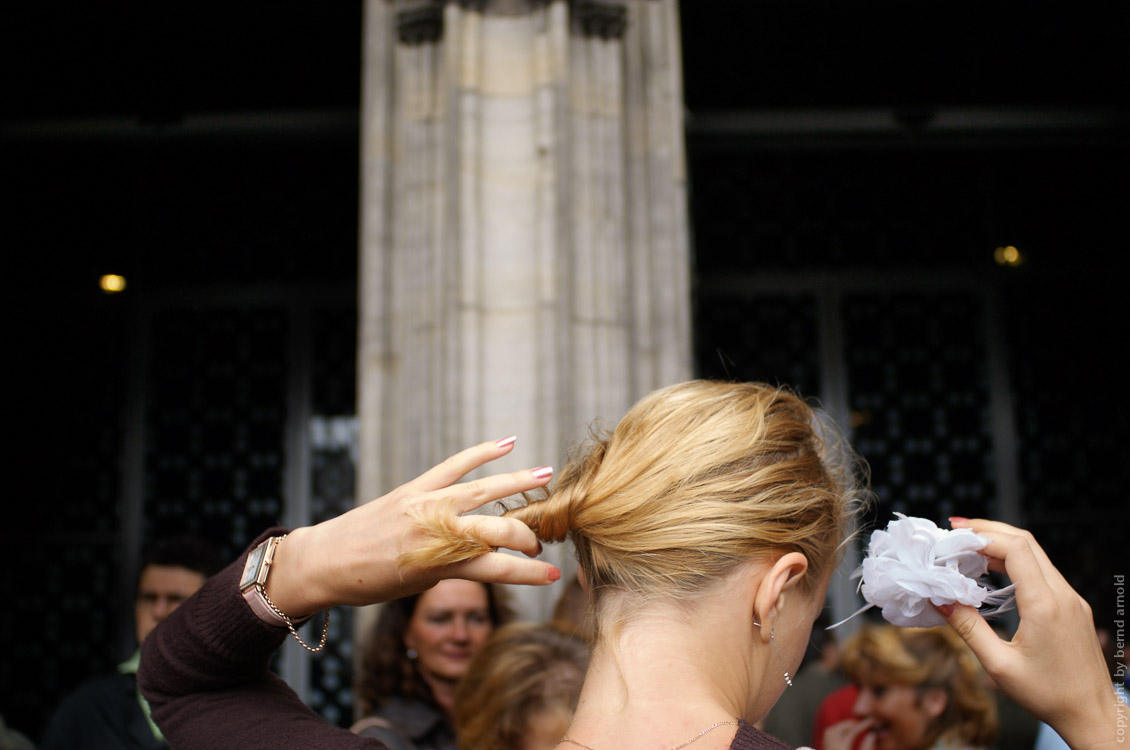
(204, 671)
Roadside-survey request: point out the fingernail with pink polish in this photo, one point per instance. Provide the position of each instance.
(542, 472)
(506, 441)
(944, 609)
(554, 574)
(958, 520)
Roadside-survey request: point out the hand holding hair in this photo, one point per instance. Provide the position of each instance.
(367, 555)
(1053, 667)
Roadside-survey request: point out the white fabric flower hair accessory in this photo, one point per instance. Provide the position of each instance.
(914, 564)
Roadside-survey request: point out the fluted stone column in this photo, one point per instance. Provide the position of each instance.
(524, 238)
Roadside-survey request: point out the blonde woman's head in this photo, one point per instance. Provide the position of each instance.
(697, 479)
(920, 686)
(520, 690)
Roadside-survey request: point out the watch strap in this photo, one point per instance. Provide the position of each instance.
(257, 600)
(255, 572)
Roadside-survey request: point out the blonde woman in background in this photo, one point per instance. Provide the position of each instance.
(520, 691)
(918, 689)
(707, 526)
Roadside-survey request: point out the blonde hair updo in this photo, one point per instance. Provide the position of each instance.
(696, 479)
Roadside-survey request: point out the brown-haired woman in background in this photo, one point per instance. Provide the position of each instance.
(419, 649)
(521, 689)
(918, 689)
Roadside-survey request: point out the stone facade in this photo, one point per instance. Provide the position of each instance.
(524, 233)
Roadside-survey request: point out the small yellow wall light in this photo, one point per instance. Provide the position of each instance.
(112, 283)
(1008, 256)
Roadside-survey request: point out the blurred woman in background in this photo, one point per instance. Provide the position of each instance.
(521, 689)
(420, 647)
(918, 689)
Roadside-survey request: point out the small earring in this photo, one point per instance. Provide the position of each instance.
(412, 654)
(773, 642)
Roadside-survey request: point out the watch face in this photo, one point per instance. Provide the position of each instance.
(251, 569)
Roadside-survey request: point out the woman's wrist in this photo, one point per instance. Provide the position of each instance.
(1096, 727)
(293, 585)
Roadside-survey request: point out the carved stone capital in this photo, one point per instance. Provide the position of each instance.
(419, 21)
(503, 7)
(602, 18)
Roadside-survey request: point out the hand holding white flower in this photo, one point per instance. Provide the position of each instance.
(913, 564)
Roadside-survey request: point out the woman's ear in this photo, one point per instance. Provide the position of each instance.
(785, 573)
(934, 702)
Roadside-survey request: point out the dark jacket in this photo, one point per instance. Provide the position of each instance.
(103, 714)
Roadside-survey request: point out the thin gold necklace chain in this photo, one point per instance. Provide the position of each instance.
(681, 745)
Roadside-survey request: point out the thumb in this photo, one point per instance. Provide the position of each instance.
(968, 623)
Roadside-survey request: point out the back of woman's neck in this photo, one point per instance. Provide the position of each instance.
(656, 690)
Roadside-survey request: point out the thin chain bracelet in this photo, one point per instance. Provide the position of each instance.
(290, 624)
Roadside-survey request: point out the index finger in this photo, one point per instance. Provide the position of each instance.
(1028, 567)
(468, 496)
(1017, 539)
(454, 468)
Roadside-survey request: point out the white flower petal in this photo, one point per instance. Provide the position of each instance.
(913, 562)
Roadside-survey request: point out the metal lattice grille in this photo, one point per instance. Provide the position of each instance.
(60, 532)
(920, 397)
(65, 631)
(333, 442)
(1073, 424)
(216, 425)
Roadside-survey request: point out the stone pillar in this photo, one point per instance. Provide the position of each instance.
(524, 238)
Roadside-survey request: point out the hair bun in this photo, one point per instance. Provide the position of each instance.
(554, 513)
